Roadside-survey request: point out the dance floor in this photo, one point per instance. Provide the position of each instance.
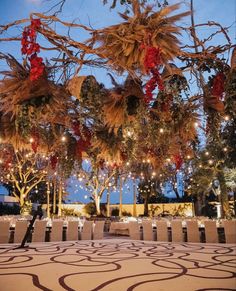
(118, 264)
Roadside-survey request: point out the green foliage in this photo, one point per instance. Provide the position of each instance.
(70, 212)
(126, 213)
(115, 212)
(90, 208)
(6, 209)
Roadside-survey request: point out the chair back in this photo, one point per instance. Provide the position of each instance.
(72, 230)
(147, 230)
(39, 231)
(230, 231)
(162, 230)
(20, 230)
(193, 234)
(57, 230)
(134, 231)
(4, 231)
(211, 233)
(87, 230)
(98, 230)
(176, 231)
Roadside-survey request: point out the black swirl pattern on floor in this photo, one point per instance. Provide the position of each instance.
(118, 265)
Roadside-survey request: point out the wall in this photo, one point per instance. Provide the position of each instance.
(175, 209)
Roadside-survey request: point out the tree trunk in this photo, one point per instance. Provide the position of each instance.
(120, 207)
(97, 203)
(223, 195)
(135, 200)
(48, 199)
(59, 198)
(54, 196)
(108, 202)
(176, 193)
(145, 206)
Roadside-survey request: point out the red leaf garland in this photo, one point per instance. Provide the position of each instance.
(178, 161)
(218, 85)
(31, 48)
(152, 61)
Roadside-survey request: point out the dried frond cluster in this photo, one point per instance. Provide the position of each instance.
(122, 104)
(122, 44)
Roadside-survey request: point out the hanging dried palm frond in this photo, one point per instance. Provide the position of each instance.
(122, 44)
(75, 84)
(45, 100)
(122, 104)
(109, 147)
(233, 59)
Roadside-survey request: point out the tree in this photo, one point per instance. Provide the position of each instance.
(23, 170)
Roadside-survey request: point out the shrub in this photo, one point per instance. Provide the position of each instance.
(90, 208)
(6, 209)
(126, 213)
(115, 212)
(70, 212)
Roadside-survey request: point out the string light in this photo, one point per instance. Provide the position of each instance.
(63, 139)
(161, 130)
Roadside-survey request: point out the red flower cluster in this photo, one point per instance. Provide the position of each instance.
(35, 142)
(152, 61)
(178, 161)
(31, 48)
(53, 161)
(218, 85)
(85, 139)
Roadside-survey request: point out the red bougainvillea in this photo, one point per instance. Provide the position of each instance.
(53, 161)
(178, 161)
(85, 138)
(31, 48)
(218, 85)
(152, 61)
(35, 138)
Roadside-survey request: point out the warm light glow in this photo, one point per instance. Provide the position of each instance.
(210, 162)
(31, 140)
(63, 139)
(161, 130)
(226, 117)
(225, 149)
(188, 157)
(207, 153)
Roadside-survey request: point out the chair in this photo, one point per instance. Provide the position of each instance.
(72, 230)
(39, 231)
(57, 230)
(176, 231)
(192, 231)
(147, 230)
(86, 233)
(98, 230)
(230, 231)
(20, 230)
(134, 231)
(4, 231)
(162, 231)
(211, 233)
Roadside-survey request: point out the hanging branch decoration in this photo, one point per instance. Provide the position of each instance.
(152, 63)
(31, 48)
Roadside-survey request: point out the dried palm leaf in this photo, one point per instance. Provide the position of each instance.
(75, 84)
(122, 103)
(233, 59)
(121, 43)
(46, 100)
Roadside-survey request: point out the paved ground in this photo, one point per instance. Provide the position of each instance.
(118, 264)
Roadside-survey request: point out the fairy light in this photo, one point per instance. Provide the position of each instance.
(225, 149)
(207, 153)
(31, 140)
(188, 157)
(161, 130)
(63, 139)
(210, 162)
(196, 124)
(226, 118)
